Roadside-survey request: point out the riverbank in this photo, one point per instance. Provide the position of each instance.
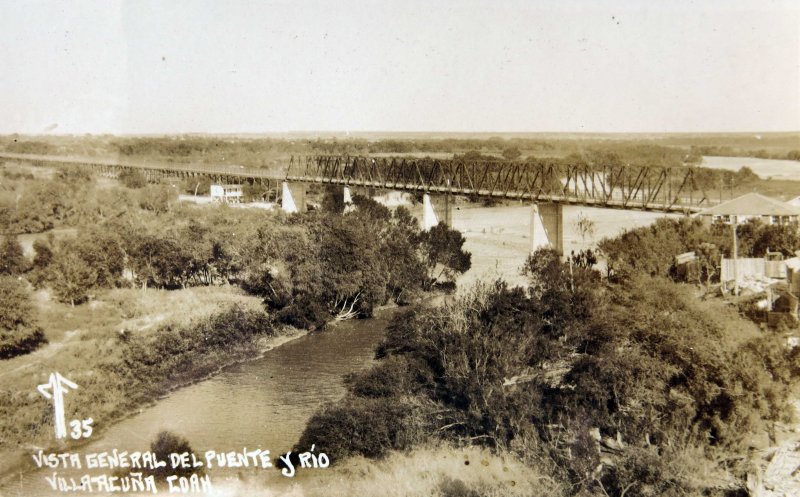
(124, 359)
(15, 461)
(129, 428)
(260, 403)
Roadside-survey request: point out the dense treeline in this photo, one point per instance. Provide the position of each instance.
(264, 152)
(70, 198)
(309, 269)
(321, 264)
(625, 388)
(760, 153)
(273, 153)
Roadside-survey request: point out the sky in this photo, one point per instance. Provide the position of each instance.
(141, 67)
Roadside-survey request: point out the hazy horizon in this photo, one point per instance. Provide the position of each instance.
(514, 67)
(420, 134)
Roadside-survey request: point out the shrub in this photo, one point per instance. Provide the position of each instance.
(20, 342)
(538, 369)
(12, 260)
(363, 426)
(303, 313)
(18, 331)
(167, 443)
(393, 377)
(132, 178)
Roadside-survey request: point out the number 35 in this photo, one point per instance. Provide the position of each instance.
(80, 429)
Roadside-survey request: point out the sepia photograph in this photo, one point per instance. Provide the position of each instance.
(400, 248)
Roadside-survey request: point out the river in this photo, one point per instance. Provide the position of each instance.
(764, 168)
(264, 403)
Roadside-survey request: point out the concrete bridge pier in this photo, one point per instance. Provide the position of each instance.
(293, 198)
(547, 227)
(429, 219)
(347, 196)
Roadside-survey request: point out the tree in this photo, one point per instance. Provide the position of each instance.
(71, 278)
(101, 250)
(132, 178)
(12, 258)
(16, 309)
(375, 211)
(157, 198)
(400, 248)
(745, 176)
(512, 153)
(709, 257)
(777, 238)
(651, 249)
(352, 276)
(333, 199)
(159, 260)
(42, 257)
(42, 254)
(444, 255)
(19, 333)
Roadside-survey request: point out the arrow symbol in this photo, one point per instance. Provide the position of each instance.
(55, 389)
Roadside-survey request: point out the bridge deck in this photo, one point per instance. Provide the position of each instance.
(651, 188)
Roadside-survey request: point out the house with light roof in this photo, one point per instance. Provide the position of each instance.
(752, 206)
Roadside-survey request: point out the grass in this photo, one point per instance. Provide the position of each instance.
(439, 472)
(118, 374)
(435, 471)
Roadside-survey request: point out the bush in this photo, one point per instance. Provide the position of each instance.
(18, 331)
(393, 377)
(303, 313)
(132, 178)
(167, 443)
(364, 426)
(538, 369)
(175, 356)
(20, 342)
(12, 260)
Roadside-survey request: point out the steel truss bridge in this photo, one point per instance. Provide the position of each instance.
(654, 188)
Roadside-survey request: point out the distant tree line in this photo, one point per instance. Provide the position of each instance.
(760, 153)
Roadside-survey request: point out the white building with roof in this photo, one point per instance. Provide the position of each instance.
(752, 206)
(227, 193)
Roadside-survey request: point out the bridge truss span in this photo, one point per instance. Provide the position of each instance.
(657, 188)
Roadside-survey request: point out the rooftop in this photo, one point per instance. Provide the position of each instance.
(752, 204)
